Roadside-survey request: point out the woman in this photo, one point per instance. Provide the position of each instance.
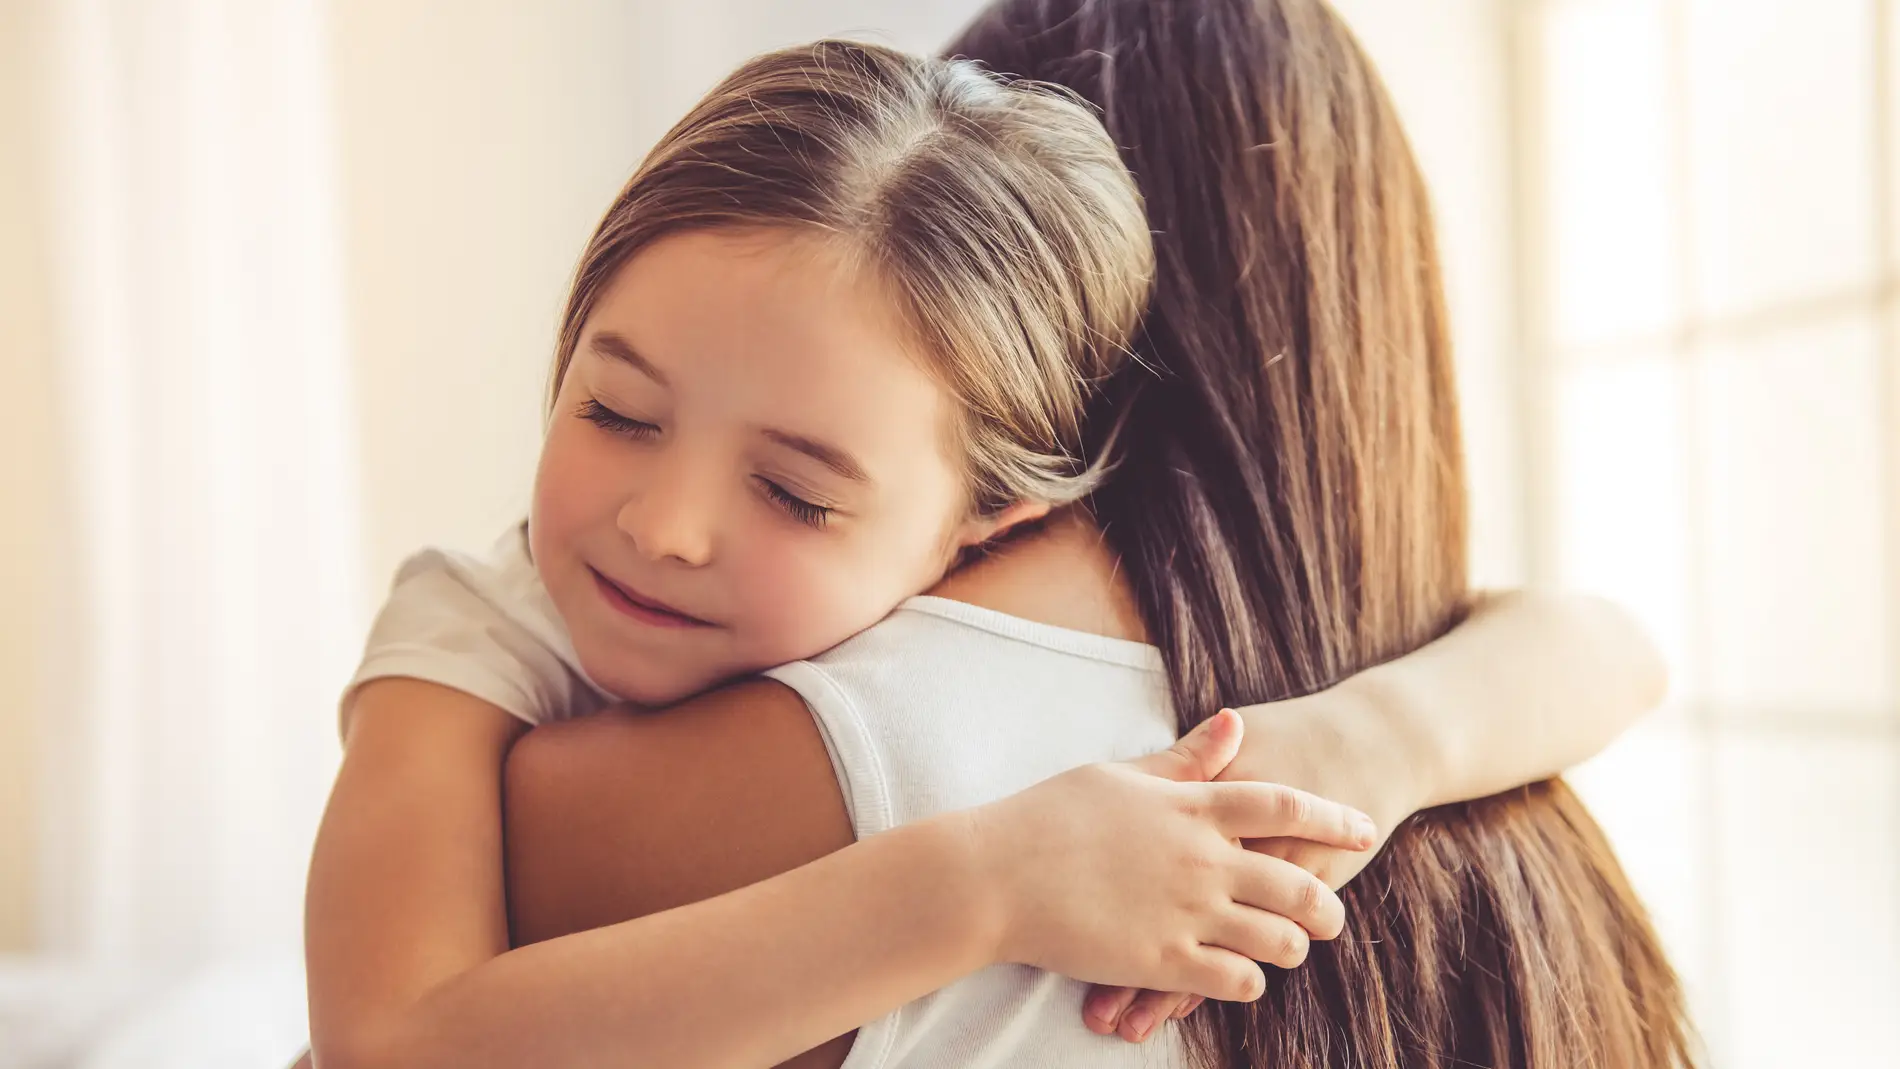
(1330, 496)
(1288, 509)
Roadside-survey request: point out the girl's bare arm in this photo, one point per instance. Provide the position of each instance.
(407, 941)
(408, 948)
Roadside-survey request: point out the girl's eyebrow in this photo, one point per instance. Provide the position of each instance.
(614, 347)
(830, 456)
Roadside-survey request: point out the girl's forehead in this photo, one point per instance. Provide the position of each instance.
(771, 329)
(767, 291)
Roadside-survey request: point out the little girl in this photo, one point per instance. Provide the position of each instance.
(835, 334)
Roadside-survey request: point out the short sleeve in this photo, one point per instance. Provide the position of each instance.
(480, 626)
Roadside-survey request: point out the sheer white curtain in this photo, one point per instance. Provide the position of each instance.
(212, 576)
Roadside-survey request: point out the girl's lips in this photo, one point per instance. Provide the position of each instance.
(653, 613)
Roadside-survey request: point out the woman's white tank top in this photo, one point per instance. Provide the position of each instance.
(944, 706)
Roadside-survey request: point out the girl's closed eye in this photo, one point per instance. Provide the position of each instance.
(606, 418)
(805, 512)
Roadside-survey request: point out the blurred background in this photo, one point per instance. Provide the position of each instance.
(278, 284)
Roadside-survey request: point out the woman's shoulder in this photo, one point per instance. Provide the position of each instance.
(1062, 574)
(624, 813)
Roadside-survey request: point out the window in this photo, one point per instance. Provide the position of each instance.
(1711, 323)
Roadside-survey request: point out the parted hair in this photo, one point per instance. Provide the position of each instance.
(996, 214)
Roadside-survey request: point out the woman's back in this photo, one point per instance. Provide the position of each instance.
(948, 704)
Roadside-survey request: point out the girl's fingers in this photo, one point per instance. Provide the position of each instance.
(1276, 886)
(1218, 973)
(1147, 1013)
(1263, 936)
(1103, 1009)
(1270, 810)
(1200, 754)
(1193, 1003)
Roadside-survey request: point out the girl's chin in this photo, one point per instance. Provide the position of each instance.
(652, 690)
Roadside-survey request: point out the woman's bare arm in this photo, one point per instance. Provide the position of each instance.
(1532, 683)
(1529, 684)
(621, 815)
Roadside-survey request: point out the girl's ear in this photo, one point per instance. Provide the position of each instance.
(980, 529)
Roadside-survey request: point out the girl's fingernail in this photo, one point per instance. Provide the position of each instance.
(1103, 1012)
(1139, 1022)
(1363, 827)
(1210, 723)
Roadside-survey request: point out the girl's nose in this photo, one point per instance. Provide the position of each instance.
(671, 519)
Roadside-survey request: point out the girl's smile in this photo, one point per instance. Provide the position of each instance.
(646, 610)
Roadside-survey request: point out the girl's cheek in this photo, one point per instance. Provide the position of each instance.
(549, 520)
(574, 480)
(808, 598)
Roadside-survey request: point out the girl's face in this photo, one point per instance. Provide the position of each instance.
(746, 464)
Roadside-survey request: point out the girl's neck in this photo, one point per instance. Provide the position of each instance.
(1062, 573)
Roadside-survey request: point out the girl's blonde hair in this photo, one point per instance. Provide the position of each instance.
(999, 216)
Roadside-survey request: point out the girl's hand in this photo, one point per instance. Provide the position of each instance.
(1134, 873)
(1331, 743)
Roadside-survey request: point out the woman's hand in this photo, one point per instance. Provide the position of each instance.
(1133, 873)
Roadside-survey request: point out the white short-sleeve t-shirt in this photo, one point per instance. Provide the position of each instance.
(483, 625)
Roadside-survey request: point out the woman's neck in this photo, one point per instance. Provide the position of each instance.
(1063, 573)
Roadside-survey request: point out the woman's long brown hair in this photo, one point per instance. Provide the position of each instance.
(1289, 504)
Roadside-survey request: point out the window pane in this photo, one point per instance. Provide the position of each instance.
(1781, 123)
(1606, 165)
(1809, 892)
(1789, 446)
(1622, 519)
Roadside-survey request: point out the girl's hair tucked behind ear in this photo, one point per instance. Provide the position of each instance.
(999, 216)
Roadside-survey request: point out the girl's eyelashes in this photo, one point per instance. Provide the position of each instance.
(607, 419)
(797, 507)
(805, 512)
